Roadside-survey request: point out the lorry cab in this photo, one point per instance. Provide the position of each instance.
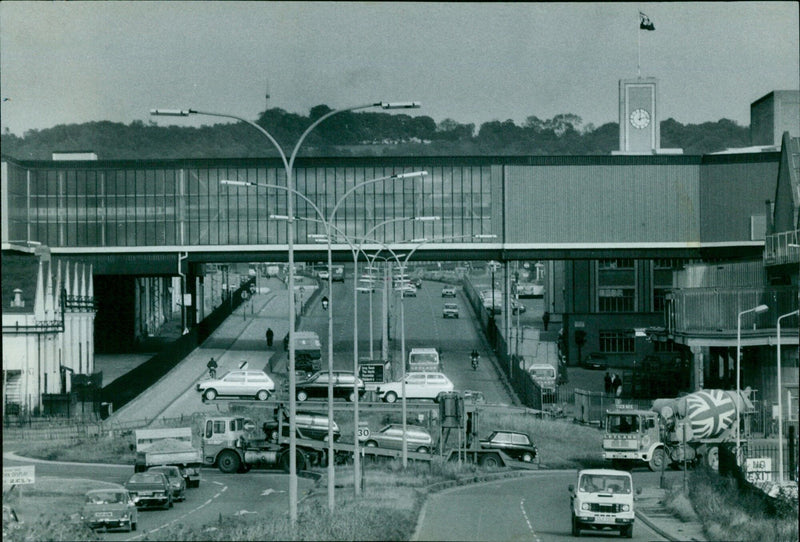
(424, 360)
(602, 499)
(630, 435)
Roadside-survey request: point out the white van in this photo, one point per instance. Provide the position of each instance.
(424, 360)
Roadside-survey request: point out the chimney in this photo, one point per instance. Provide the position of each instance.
(17, 301)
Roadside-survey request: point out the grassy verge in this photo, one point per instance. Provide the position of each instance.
(729, 514)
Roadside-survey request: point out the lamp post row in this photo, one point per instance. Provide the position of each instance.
(288, 167)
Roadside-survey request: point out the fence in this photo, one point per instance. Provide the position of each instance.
(38, 429)
(761, 459)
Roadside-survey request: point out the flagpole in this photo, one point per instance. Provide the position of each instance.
(639, 49)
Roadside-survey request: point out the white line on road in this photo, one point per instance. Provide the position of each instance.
(525, 515)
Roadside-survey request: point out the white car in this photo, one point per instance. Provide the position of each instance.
(323, 275)
(418, 386)
(407, 290)
(256, 384)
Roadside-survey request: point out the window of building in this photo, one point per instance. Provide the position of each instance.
(617, 342)
(616, 299)
(616, 263)
(664, 346)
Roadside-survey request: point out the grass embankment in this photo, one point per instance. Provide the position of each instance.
(729, 514)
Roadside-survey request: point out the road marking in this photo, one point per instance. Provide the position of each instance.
(525, 515)
(270, 491)
(183, 516)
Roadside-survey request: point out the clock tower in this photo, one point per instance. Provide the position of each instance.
(639, 131)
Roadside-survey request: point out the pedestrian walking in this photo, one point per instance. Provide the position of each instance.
(616, 384)
(270, 336)
(546, 319)
(607, 381)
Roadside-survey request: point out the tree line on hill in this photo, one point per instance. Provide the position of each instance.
(360, 134)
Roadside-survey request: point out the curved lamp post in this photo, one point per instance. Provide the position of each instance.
(356, 250)
(780, 400)
(288, 167)
(757, 310)
(327, 222)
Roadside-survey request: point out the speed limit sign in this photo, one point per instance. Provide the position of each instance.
(363, 431)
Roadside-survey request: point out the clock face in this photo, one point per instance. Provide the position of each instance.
(640, 118)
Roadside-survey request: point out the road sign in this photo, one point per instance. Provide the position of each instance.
(14, 476)
(363, 431)
(758, 469)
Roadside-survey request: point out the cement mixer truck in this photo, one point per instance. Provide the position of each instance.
(684, 429)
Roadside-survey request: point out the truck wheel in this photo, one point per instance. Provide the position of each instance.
(228, 461)
(133, 526)
(302, 396)
(657, 460)
(390, 397)
(262, 395)
(491, 460)
(712, 458)
(301, 461)
(576, 527)
(210, 394)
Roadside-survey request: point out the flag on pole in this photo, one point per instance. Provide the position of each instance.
(644, 22)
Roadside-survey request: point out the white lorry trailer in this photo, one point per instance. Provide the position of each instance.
(169, 446)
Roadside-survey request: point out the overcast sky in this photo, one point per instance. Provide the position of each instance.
(74, 62)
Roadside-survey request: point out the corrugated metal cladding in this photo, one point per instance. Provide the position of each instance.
(732, 193)
(732, 275)
(603, 203)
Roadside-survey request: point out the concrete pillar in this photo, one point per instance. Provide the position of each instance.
(696, 377)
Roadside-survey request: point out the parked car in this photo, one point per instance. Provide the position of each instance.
(238, 384)
(596, 361)
(316, 385)
(109, 509)
(150, 489)
(515, 444)
(176, 482)
(450, 310)
(391, 436)
(309, 425)
(418, 386)
(449, 291)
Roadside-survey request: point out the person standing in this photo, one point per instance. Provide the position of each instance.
(546, 319)
(270, 336)
(607, 381)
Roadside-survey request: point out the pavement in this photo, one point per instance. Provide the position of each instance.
(244, 333)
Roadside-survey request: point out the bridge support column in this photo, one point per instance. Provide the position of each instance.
(696, 376)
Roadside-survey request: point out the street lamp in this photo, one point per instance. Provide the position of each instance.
(739, 402)
(780, 400)
(327, 223)
(356, 249)
(288, 167)
(419, 243)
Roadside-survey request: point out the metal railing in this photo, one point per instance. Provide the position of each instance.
(782, 248)
(717, 309)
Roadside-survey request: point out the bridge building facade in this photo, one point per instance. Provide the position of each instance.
(617, 225)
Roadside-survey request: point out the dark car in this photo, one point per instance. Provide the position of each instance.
(596, 361)
(109, 509)
(417, 282)
(176, 482)
(150, 489)
(514, 444)
(316, 385)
